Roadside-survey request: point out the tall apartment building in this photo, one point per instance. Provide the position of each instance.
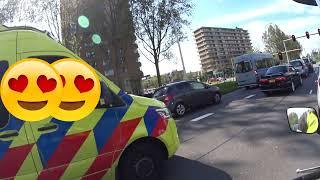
(115, 55)
(217, 46)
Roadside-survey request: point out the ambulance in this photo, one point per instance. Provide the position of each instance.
(126, 137)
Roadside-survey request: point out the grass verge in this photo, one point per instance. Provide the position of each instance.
(227, 87)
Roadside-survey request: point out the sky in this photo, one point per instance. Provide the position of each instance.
(253, 15)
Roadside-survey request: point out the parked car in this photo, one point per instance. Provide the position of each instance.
(183, 95)
(309, 63)
(280, 78)
(301, 66)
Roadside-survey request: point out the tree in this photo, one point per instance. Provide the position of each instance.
(273, 39)
(254, 50)
(315, 54)
(293, 117)
(158, 25)
(39, 11)
(49, 12)
(119, 28)
(8, 10)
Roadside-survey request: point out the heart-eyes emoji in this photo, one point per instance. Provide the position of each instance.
(81, 89)
(31, 89)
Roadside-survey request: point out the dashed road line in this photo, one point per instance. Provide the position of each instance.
(201, 117)
(248, 97)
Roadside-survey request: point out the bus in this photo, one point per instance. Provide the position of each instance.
(250, 67)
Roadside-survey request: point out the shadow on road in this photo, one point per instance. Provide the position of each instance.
(185, 169)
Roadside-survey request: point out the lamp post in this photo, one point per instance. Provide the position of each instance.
(181, 57)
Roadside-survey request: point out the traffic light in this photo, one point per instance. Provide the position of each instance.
(308, 35)
(280, 54)
(319, 32)
(293, 38)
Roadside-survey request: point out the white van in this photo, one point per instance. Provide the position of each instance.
(250, 67)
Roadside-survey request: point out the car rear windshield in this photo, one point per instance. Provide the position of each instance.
(243, 67)
(160, 92)
(264, 63)
(277, 70)
(295, 63)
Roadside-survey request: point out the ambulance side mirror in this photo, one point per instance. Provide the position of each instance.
(303, 120)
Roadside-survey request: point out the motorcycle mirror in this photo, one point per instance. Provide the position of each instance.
(303, 120)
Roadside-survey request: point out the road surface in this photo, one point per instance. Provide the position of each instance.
(245, 137)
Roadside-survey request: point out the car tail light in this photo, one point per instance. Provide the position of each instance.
(264, 81)
(281, 79)
(167, 99)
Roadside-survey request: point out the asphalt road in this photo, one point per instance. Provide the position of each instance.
(245, 137)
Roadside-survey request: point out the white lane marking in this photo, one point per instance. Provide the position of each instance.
(248, 97)
(310, 91)
(201, 117)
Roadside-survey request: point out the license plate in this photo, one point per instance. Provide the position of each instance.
(272, 81)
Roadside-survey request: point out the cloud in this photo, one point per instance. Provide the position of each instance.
(277, 7)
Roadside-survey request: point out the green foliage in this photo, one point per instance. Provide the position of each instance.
(227, 87)
(273, 39)
(316, 55)
(293, 117)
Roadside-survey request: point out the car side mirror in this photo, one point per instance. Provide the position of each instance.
(303, 120)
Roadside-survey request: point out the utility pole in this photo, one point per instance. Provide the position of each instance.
(285, 49)
(289, 39)
(181, 57)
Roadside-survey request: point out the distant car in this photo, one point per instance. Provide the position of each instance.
(183, 95)
(280, 78)
(301, 66)
(309, 63)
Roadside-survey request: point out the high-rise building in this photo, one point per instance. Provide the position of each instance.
(217, 46)
(105, 39)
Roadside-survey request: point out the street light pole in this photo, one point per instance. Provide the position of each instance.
(285, 49)
(181, 57)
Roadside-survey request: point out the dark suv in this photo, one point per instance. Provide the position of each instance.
(180, 96)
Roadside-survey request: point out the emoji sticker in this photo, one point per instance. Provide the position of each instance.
(30, 89)
(81, 89)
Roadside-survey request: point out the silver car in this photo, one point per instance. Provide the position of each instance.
(300, 65)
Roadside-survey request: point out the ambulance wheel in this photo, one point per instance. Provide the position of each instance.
(141, 161)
